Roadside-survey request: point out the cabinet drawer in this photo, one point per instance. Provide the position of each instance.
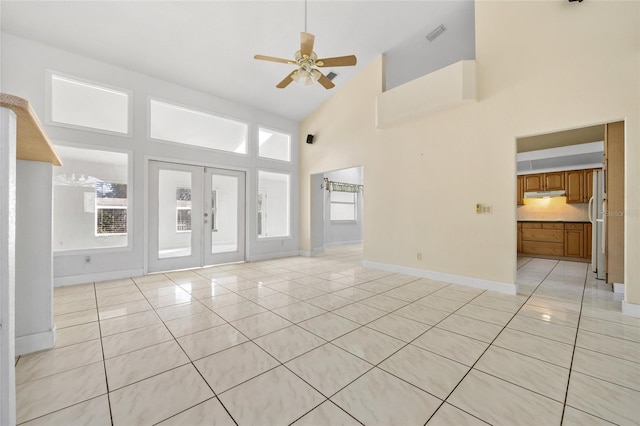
(576, 226)
(543, 248)
(531, 225)
(553, 226)
(546, 235)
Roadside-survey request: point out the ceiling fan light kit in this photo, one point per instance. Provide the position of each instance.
(308, 63)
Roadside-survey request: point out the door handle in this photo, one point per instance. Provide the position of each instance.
(206, 214)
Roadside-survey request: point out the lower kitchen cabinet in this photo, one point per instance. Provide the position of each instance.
(574, 240)
(555, 239)
(543, 238)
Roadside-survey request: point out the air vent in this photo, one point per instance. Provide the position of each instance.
(436, 33)
(331, 75)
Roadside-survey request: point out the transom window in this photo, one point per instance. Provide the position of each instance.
(74, 102)
(274, 145)
(179, 124)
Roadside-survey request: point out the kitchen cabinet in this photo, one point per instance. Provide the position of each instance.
(553, 181)
(574, 240)
(520, 188)
(519, 231)
(557, 239)
(579, 185)
(588, 229)
(534, 182)
(543, 238)
(575, 180)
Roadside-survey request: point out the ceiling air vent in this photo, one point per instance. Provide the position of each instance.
(331, 75)
(436, 33)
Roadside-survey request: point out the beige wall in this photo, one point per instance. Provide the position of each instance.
(555, 208)
(542, 66)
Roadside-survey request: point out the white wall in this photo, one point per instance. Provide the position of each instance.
(542, 66)
(336, 232)
(24, 69)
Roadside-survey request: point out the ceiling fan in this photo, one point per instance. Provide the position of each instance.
(308, 63)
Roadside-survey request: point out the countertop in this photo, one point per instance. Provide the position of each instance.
(554, 221)
(32, 142)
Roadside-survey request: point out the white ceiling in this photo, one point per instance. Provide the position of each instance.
(209, 45)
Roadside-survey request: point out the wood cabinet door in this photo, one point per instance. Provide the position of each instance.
(519, 238)
(574, 181)
(554, 181)
(588, 229)
(520, 189)
(533, 182)
(574, 243)
(588, 185)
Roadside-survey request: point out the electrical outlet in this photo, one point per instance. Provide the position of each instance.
(419, 256)
(87, 259)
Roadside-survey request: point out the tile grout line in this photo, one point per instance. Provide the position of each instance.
(104, 360)
(575, 341)
(487, 348)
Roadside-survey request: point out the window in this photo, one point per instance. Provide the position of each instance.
(274, 145)
(183, 209)
(90, 105)
(174, 123)
(111, 208)
(273, 204)
(344, 205)
(91, 195)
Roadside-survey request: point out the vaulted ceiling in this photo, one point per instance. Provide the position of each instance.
(209, 45)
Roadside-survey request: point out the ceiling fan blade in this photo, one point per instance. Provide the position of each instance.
(306, 43)
(339, 61)
(326, 83)
(286, 81)
(273, 59)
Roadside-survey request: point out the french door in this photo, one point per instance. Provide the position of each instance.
(196, 216)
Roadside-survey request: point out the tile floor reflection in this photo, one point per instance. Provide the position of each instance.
(324, 341)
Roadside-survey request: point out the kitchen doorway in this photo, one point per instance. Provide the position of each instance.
(196, 216)
(568, 185)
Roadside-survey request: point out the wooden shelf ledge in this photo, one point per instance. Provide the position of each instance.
(32, 143)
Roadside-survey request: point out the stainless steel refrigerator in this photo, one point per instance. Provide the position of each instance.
(597, 205)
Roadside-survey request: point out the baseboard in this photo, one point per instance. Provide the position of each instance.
(36, 342)
(343, 243)
(618, 288)
(268, 256)
(96, 277)
(631, 309)
(449, 278)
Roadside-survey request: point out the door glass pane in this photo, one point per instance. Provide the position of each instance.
(174, 214)
(223, 223)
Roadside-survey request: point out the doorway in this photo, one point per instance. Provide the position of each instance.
(196, 216)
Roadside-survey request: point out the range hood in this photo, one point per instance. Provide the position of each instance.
(545, 194)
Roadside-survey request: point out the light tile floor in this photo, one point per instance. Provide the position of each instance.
(324, 341)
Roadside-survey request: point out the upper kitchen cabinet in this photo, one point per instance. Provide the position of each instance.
(553, 181)
(575, 180)
(534, 183)
(579, 185)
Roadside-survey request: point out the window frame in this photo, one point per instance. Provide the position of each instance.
(49, 104)
(277, 160)
(290, 210)
(97, 208)
(130, 197)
